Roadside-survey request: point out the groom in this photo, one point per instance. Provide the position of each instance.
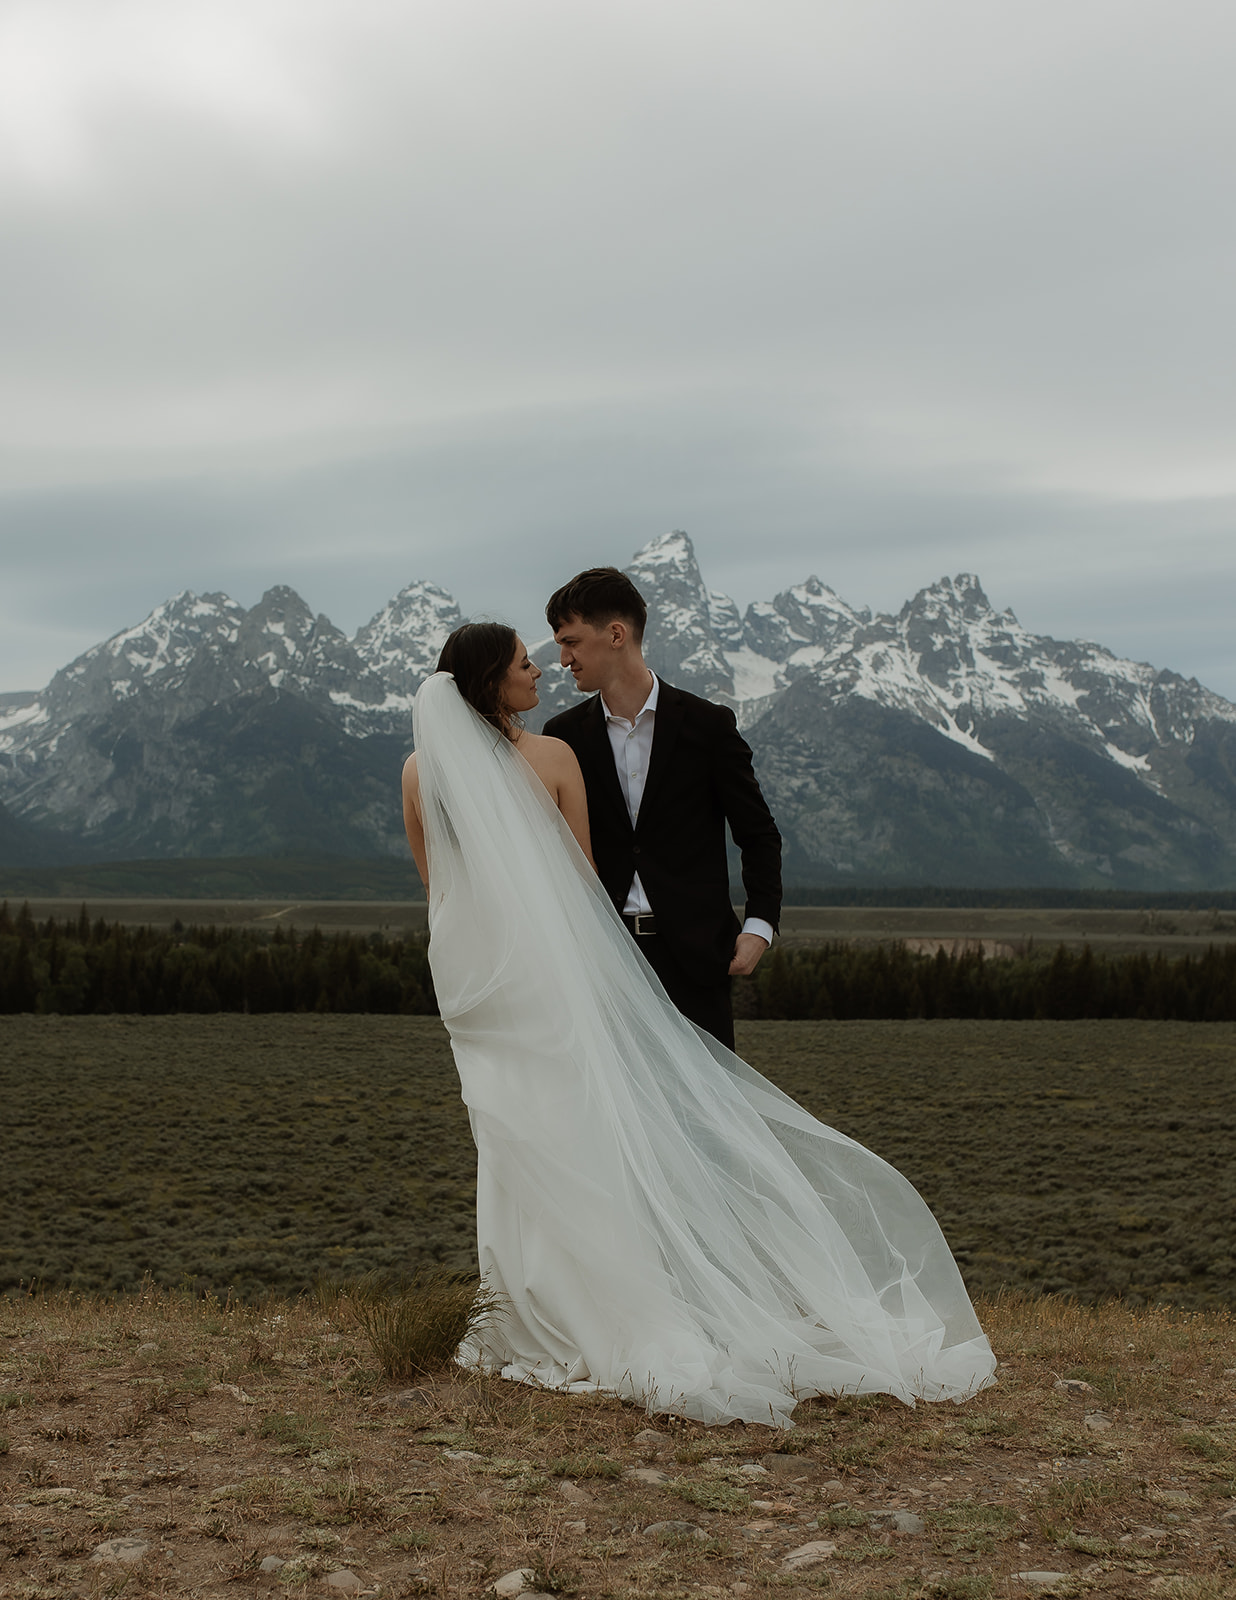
(665, 771)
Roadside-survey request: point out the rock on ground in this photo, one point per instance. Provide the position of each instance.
(899, 1521)
(513, 1583)
(809, 1555)
(120, 1550)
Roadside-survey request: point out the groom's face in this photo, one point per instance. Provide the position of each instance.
(588, 651)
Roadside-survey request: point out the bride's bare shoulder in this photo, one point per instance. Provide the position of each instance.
(545, 753)
(552, 748)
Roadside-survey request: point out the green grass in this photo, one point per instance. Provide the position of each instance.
(261, 1152)
(1207, 1446)
(867, 1550)
(294, 1433)
(584, 1467)
(842, 1517)
(262, 1497)
(708, 1496)
(972, 1526)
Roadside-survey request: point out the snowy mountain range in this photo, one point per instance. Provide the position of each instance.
(943, 744)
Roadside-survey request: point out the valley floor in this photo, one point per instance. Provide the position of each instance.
(1002, 931)
(259, 1153)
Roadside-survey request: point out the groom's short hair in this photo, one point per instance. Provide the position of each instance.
(598, 596)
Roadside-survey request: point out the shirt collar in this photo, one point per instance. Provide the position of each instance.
(649, 705)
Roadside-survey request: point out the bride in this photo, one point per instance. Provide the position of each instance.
(662, 1222)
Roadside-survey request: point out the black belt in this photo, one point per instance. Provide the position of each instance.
(642, 924)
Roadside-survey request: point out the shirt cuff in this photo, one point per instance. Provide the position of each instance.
(757, 925)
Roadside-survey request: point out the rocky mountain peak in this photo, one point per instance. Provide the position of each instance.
(950, 600)
(668, 556)
(954, 636)
(155, 652)
(403, 640)
(725, 619)
(276, 631)
(809, 615)
(667, 574)
(681, 642)
(175, 627)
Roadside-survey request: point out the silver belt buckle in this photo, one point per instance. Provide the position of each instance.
(640, 918)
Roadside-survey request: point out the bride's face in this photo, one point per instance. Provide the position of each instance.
(519, 685)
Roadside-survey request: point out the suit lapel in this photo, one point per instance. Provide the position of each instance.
(597, 760)
(665, 730)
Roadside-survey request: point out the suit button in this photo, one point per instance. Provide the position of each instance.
(634, 849)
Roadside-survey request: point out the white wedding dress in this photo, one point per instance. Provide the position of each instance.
(662, 1222)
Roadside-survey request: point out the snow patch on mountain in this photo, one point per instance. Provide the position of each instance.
(1138, 764)
(15, 718)
(755, 677)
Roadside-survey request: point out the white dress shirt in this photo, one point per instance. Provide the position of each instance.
(631, 743)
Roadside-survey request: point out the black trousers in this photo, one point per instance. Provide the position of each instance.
(708, 1007)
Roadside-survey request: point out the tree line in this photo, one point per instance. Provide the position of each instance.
(78, 967)
(842, 980)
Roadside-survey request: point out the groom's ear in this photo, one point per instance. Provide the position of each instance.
(619, 633)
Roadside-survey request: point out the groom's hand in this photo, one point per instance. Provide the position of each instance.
(748, 948)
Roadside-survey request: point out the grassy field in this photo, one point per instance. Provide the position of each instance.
(393, 878)
(260, 1152)
(1174, 932)
(218, 1438)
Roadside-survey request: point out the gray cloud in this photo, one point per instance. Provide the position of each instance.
(484, 293)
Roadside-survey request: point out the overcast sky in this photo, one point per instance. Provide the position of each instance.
(341, 293)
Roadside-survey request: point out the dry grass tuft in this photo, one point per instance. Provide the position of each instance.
(415, 1326)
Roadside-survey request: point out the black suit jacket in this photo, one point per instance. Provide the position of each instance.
(699, 778)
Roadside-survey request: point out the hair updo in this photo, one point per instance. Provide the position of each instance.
(478, 656)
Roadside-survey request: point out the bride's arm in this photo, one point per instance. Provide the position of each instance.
(571, 796)
(412, 823)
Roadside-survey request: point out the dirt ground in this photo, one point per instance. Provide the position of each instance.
(202, 1441)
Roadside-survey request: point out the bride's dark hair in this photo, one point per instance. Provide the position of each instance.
(478, 656)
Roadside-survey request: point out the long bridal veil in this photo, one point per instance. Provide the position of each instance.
(663, 1222)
